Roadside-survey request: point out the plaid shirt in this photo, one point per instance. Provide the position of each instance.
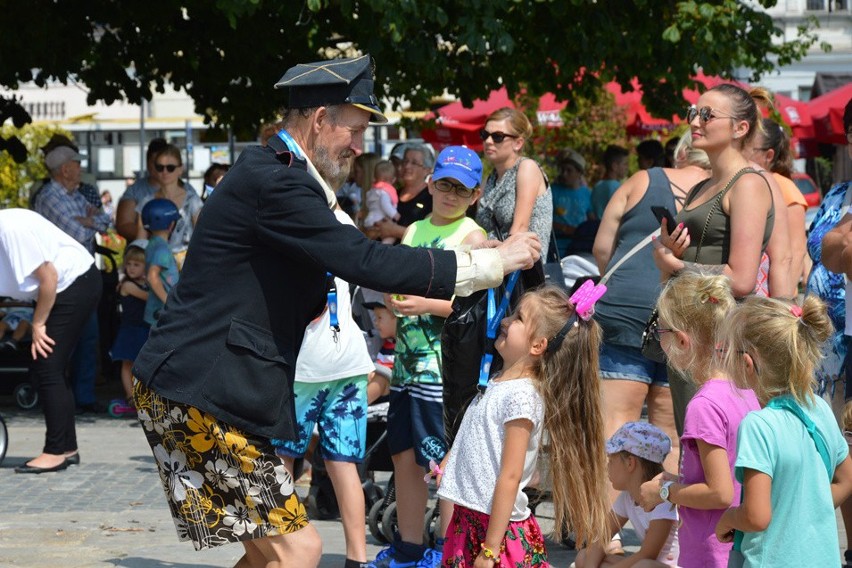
(61, 207)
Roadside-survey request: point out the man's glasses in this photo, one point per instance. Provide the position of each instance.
(166, 167)
(413, 163)
(498, 137)
(705, 114)
(445, 186)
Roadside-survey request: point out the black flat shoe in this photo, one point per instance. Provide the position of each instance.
(33, 469)
(73, 459)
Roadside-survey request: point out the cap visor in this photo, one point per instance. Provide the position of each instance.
(376, 116)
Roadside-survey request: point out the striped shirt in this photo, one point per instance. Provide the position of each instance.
(62, 208)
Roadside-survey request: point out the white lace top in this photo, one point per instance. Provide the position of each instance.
(474, 464)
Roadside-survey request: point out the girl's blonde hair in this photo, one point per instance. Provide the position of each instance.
(784, 345)
(573, 436)
(696, 304)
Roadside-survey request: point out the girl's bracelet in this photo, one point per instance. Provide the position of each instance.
(488, 553)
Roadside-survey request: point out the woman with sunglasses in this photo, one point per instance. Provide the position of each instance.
(516, 196)
(168, 167)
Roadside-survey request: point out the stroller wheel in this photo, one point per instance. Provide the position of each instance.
(4, 439)
(390, 526)
(431, 525)
(26, 396)
(372, 493)
(374, 521)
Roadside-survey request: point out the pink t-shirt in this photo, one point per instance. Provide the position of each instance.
(713, 415)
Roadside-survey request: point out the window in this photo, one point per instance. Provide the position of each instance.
(815, 5)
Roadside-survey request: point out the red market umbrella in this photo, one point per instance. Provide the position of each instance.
(639, 120)
(827, 114)
(456, 125)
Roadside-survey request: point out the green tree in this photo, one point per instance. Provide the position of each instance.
(227, 54)
(16, 178)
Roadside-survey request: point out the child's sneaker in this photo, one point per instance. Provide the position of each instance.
(383, 558)
(431, 559)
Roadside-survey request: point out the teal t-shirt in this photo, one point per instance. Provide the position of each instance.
(158, 253)
(803, 530)
(570, 207)
(601, 194)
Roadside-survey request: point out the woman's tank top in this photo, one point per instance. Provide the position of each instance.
(716, 245)
(632, 290)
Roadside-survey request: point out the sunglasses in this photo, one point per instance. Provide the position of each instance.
(656, 331)
(166, 167)
(498, 137)
(445, 186)
(705, 114)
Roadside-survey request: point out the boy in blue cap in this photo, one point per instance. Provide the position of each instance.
(415, 416)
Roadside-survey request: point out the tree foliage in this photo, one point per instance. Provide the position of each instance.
(227, 54)
(16, 178)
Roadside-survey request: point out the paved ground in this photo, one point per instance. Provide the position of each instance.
(110, 510)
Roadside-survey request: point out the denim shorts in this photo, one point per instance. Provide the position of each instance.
(628, 364)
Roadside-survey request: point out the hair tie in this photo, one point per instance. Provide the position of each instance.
(708, 298)
(796, 311)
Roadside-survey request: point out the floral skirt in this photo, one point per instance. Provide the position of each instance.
(222, 485)
(522, 547)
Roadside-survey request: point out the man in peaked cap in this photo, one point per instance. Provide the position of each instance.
(223, 352)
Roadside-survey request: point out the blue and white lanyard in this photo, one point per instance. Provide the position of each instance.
(495, 316)
(291, 144)
(334, 323)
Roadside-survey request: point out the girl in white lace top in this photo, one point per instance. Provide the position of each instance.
(548, 390)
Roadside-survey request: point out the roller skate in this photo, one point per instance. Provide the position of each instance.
(121, 408)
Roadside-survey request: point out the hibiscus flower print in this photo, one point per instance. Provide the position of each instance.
(240, 518)
(290, 518)
(178, 477)
(284, 479)
(237, 446)
(205, 428)
(221, 474)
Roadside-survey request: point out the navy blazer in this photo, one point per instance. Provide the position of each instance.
(254, 276)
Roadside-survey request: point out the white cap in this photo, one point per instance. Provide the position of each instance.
(59, 156)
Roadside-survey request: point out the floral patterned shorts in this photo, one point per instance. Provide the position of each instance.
(222, 485)
(522, 547)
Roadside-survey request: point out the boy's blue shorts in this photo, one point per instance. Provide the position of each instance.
(416, 421)
(339, 410)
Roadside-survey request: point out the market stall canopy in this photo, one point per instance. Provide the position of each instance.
(827, 114)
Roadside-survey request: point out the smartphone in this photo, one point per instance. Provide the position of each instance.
(663, 213)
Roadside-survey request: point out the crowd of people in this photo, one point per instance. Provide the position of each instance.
(240, 354)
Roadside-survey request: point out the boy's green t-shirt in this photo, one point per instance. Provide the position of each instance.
(417, 357)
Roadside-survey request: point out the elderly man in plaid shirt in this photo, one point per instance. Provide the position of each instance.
(60, 202)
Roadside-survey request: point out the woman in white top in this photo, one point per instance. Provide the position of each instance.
(40, 262)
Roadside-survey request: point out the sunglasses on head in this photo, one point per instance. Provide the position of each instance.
(498, 137)
(705, 114)
(446, 186)
(166, 167)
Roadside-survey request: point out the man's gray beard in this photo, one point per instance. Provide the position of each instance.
(334, 173)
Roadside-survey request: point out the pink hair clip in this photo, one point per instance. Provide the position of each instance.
(434, 471)
(585, 297)
(796, 310)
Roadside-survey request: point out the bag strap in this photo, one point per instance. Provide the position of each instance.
(716, 202)
(786, 402)
(636, 248)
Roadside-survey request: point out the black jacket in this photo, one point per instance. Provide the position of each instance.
(254, 276)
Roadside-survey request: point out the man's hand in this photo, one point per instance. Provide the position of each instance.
(42, 344)
(519, 251)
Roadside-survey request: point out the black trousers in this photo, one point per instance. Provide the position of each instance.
(72, 308)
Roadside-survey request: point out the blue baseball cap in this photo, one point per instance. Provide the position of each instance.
(459, 163)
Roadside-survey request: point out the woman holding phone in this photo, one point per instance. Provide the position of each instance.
(629, 378)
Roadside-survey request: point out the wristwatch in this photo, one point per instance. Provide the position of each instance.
(664, 491)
